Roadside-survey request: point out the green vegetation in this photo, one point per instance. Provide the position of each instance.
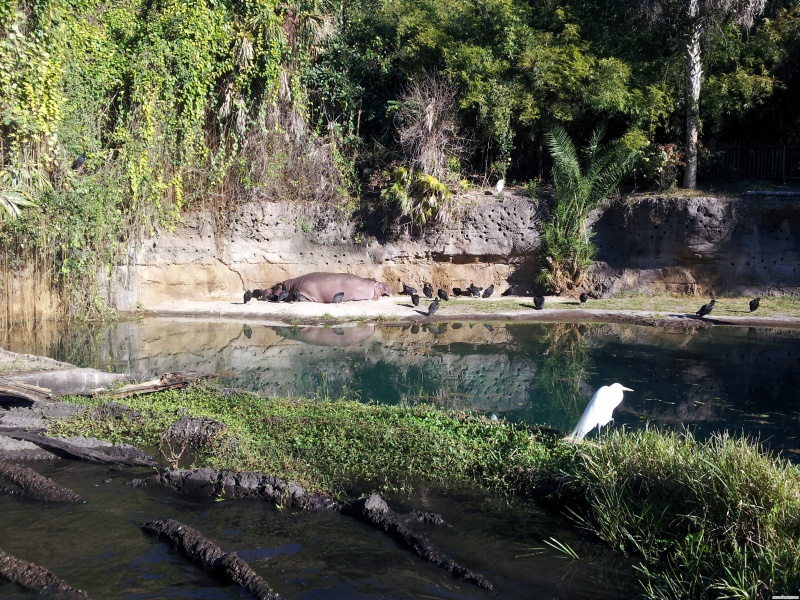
(581, 183)
(708, 519)
(178, 106)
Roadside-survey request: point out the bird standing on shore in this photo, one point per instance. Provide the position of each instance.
(427, 289)
(408, 290)
(415, 299)
(433, 307)
(443, 295)
(488, 291)
(247, 296)
(706, 308)
(584, 297)
(754, 304)
(600, 409)
(538, 302)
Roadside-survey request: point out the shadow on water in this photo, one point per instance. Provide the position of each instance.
(99, 547)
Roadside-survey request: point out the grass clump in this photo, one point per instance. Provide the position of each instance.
(328, 445)
(714, 519)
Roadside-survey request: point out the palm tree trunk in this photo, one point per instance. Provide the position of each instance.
(694, 72)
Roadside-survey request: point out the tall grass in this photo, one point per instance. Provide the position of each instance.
(714, 519)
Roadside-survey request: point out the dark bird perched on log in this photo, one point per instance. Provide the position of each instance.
(706, 308)
(338, 297)
(442, 294)
(415, 299)
(408, 290)
(754, 304)
(584, 297)
(247, 296)
(488, 291)
(458, 292)
(427, 289)
(433, 307)
(538, 302)
(78, 162)
(474, 290)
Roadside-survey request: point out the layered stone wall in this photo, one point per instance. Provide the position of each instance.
(685, 245)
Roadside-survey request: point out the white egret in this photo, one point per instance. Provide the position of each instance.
(599, 411)
(499, 186)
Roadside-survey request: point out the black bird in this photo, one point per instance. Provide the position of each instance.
(443, 295)
(584, 297)
(433, 307)
(258, 294)
(338, 297)
(415, 299)
(407, 289)
(427, 289)
(474, 290)
(706, 308)
(284, 295)
(247, 296)
(488, 291)
(754, 304)
(538, 302)
(78, 162)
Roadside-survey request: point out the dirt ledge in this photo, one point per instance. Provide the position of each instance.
(398, 310)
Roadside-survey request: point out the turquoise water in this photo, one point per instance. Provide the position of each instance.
(710, 379)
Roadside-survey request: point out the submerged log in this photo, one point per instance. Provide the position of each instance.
(33, 578)
(31, 484)
(376, 512)
(79, 452)
(225, 567)
(210, 483)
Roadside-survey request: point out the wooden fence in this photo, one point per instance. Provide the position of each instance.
(773, 162)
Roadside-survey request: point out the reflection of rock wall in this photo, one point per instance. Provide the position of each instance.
(463, 366)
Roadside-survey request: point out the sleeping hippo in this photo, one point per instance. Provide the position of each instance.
(323, 287)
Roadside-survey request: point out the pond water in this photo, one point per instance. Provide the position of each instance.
(744, 380)
(709, 379)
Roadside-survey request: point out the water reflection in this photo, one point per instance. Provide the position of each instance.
(709, 379)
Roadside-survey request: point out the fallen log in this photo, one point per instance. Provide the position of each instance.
(376, 512)
(25, 391)
(33, 578)
(168, 381)
(66, 449)
(225, 567)
(29, 483)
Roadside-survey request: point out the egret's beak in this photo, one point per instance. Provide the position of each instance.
(627, 389)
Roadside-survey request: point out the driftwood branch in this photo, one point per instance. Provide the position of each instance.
(225, 567)
(168, 381)
(33, 578)
(25, 391)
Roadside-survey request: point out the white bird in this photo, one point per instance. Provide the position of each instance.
(500, 185)
(599, 411)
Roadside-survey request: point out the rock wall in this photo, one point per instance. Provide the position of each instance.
(699, 245)
(493, 242)
(685, 245)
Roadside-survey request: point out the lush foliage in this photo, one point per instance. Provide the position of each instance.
(581, 184)
(707, 519)
(177, 104)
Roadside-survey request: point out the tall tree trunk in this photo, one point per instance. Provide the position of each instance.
(694, 72)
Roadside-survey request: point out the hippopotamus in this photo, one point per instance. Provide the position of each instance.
(323, 287)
